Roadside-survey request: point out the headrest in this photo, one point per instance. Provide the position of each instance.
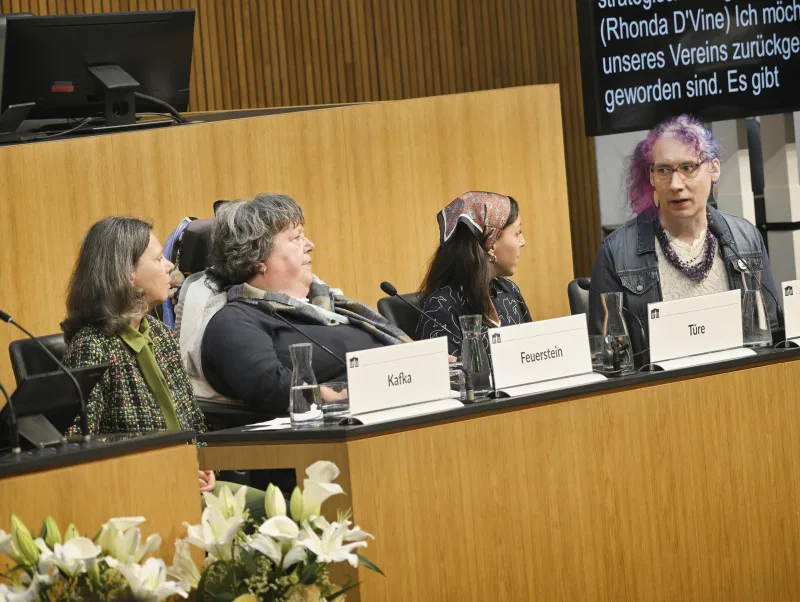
(195, 249)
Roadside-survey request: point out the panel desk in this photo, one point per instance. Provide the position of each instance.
(670, 486)
(153, 475)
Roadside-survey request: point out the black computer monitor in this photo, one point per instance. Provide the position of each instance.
(81, 66)
(46, 404)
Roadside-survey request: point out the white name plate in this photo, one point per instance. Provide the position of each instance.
(537, 351)
(398, 375)
(695, 325)
(791, 308)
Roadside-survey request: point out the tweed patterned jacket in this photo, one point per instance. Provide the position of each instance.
(122, 402)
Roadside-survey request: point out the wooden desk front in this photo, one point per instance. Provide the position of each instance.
(159, 484)
(683, 489)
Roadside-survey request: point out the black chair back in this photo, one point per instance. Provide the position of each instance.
(195, 246)
(399, 313)
(578, 298)
(28, 359)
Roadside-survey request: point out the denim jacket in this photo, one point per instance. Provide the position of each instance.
(627, 262)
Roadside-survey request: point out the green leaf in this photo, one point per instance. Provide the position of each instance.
(309, 574)
(201, 587)
(369, 564)
(248, 560)
(342, 591)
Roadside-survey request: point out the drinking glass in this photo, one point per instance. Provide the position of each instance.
(334, 402)
(756, 328)
(304, 397)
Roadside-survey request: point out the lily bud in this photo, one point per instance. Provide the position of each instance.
(296, 504)
(24, 541)
(52, 535)
(71, 532)
(274, 503)
(309, 511)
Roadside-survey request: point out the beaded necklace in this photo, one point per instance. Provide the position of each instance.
(697, 271)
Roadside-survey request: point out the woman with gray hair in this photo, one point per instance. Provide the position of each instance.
(262, 256)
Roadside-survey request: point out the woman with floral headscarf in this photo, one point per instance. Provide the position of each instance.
(480, 242)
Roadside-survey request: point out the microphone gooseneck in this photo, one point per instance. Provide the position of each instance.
(12, 425)
(469, 387)
(390, 290)
(718, 234)
(84, 416)
(273, 313)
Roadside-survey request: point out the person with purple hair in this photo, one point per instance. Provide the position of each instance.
(667, 251)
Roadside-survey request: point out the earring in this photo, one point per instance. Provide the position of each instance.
(655, 199)
(714, 191)
(492, 258)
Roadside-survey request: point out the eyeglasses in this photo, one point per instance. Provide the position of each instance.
(687, 171)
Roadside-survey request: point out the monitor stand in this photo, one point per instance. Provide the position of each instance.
(119, 94)
(39, 430)
(13, 116)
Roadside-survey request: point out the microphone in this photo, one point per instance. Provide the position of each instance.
(84, 416)
(12, 423)
(469, 387)
(717, 232)
(586, 285)
(390, 290)
(275, 314)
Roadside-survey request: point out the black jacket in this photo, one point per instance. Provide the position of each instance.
(627, 263)
(245, 354)
(448, 304)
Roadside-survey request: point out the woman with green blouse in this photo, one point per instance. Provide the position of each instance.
(121, 274)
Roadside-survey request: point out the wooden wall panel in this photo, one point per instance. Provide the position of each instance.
(269, 53)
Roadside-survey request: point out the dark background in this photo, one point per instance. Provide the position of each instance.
(724, 105)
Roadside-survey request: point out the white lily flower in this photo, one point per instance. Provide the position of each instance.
(148, 581)
(318, 487)
(151, 544)
(47, 559)
(329, 546)
(323, 471)
(215, 533)
(120, 538)
(274, 502)
(320, 522)
(293, 556)
(78, 555)
(268, 547)
(281, 528)
(29, 594)
(9, 547)
(228, 504)
(356, 534)
(183, 567)
(124, 523)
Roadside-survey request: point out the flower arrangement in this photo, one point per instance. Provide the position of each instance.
(285, 559)
(74, 567)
